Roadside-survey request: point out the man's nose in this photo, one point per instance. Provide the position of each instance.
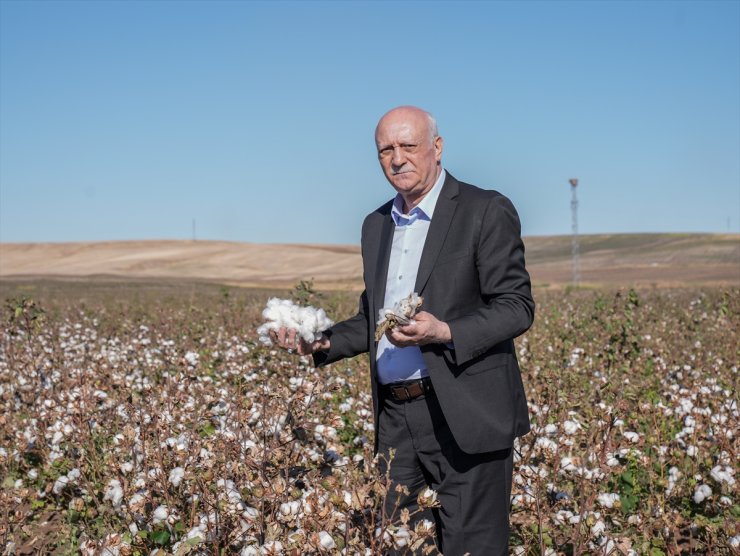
(398, 158)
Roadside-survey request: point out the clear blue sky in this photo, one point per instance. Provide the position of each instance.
(126, 120)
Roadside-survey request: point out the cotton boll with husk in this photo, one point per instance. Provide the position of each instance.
(308, 322)
(401, 313)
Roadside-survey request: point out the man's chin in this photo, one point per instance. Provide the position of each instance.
(403, 182)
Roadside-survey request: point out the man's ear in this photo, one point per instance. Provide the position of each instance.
(439, 144)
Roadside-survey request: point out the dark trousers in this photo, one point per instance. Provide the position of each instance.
(474, 489)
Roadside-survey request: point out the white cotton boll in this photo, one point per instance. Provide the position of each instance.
(546, 444)
(598, 528)
(192, 358)
(137, 502)
(608, 546)
(160, 514)
(562, 516)
(723, 474)
(401, 537)
(631, 436)
(551, 429)
(735, 541)
(608, 499)
(425, 526)
(272, 547)
(326, 540)
(571, 427)
(308, 322)
(428, 497)
(566, 464)
(199, 531)
(176, 476)
(114, 493)
(290, 508)
(701, 493)
(59, 484)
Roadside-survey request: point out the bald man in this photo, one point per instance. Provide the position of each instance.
(447, 391)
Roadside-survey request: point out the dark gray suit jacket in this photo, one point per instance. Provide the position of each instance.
(472, 276)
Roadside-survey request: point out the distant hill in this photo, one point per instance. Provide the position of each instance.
(613, 259)
(637, 259)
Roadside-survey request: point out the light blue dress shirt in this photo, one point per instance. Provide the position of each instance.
(394, 363)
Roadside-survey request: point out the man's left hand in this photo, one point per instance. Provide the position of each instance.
(424, 329)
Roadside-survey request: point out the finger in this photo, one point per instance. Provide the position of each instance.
(291, 337)
(399, 339)
(407, 329)
(281, 335)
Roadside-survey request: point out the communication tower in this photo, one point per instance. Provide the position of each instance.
(574, 246)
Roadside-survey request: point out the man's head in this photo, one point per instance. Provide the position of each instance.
(410, 151)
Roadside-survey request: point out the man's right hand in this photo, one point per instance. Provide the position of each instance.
(287, 338)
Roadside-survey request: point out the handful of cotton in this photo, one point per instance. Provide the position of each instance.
(402, 313)
(308, 322)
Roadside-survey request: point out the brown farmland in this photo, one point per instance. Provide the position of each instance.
(605, 260)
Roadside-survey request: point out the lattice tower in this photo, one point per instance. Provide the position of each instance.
(574, 246)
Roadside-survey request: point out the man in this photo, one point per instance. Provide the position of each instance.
(447, 390)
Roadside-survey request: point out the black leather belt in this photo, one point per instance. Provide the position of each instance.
(408, 389)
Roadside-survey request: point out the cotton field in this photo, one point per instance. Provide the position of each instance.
(141, 419)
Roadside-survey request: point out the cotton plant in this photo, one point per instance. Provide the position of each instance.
(400, 314)
(308, 322)
(163, 459)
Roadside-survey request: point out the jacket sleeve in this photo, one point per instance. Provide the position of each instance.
(347, 338)
(507, 308)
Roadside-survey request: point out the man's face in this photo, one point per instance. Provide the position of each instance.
(408, 153)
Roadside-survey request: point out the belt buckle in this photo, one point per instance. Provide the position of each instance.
(400, 393)
(403, 393)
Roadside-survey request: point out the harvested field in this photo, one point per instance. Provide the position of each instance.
(606, 260)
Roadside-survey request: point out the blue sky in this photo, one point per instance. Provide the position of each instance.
(127, 120)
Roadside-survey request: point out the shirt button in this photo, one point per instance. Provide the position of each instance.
(401, 276)
(405, 250)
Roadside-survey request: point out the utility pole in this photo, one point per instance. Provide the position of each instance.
(574, 246)
(193, 229)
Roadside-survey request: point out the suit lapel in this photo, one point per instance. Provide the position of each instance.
(441, 220)
(381, 266)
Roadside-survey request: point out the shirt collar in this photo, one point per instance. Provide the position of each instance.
(425, 208)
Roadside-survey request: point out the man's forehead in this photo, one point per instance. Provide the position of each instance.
(400, 131)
